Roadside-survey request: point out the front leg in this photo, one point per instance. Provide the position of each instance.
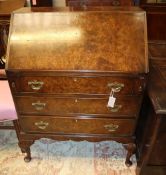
(25, 148)
(131, 148)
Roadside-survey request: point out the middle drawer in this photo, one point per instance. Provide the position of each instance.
(124, 105)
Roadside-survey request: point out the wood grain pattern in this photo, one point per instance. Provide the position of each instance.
(79, 85)
(129, 106)
(70, 41)
(76, 125)
(61, 62)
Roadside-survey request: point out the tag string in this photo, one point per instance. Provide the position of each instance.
(112, 93)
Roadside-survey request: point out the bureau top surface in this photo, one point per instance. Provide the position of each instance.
(95, 39)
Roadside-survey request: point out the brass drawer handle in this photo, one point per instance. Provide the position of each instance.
(41, 124)
(115, 86)
(35, 85)
(111, 127)
(116, 108)
(39, 106)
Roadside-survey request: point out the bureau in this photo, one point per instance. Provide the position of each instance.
(65, 65)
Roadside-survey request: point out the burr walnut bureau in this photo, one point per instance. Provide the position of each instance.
(76, 74)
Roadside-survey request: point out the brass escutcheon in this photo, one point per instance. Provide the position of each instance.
(41, 124)
(116, 108)
(115, 86)
(111, 127)
(39, 106)
(35, 85)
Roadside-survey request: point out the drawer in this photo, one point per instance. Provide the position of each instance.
(68, 125)
(124, 105)
(78, 85)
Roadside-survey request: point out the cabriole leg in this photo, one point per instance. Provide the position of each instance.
(131, 148)
(25, 148)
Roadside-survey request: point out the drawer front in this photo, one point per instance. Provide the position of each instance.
(78, 85)
(67, 125)
(124, 105)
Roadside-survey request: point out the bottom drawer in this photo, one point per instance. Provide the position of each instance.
(75, 125)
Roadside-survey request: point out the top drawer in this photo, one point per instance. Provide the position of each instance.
(77, 85)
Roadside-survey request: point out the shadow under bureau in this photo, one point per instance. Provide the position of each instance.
(76, 74)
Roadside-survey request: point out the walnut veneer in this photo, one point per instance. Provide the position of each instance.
(62, 66)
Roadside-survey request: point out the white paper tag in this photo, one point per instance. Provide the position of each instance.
(111, 101)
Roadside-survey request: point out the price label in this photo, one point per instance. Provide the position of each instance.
(111, 101)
